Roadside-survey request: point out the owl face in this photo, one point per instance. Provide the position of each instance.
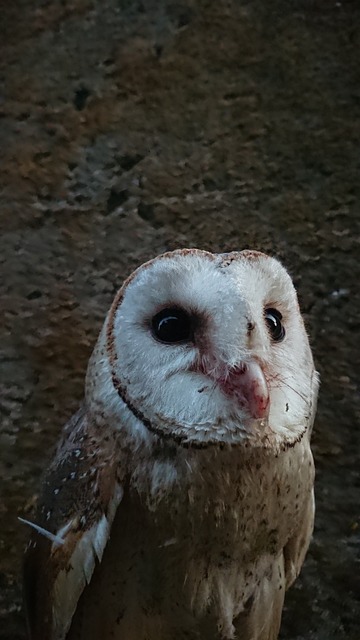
(208, 349)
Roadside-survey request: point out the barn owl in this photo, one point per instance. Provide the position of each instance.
(179, 504)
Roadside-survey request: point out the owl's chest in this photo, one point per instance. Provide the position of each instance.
(228, 508)
(207, 537)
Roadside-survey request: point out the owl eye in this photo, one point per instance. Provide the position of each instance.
(273, 319)
(172, 325)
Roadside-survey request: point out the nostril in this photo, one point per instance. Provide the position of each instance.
(250, 327)
(238, 370)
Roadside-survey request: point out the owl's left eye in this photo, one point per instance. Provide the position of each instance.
(172, 325)
(276, 328)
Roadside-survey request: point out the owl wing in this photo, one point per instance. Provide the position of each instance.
(81, 493)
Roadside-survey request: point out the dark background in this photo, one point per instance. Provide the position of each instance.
(132, 127)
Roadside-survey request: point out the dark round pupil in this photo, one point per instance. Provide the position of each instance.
(172, 325)
(273, 319)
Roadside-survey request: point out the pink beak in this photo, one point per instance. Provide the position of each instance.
(248, 385)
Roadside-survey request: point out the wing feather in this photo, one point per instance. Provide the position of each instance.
(81, 493)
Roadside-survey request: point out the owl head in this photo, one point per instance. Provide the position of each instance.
(203, 349)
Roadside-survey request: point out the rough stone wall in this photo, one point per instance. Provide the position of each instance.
(132, 127)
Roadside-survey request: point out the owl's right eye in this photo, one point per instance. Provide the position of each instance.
(172, 325)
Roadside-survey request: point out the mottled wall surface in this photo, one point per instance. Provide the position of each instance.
(131, 127)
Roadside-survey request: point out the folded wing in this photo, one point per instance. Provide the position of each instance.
(81, 492)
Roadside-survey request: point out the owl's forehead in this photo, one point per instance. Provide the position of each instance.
(197, 279)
